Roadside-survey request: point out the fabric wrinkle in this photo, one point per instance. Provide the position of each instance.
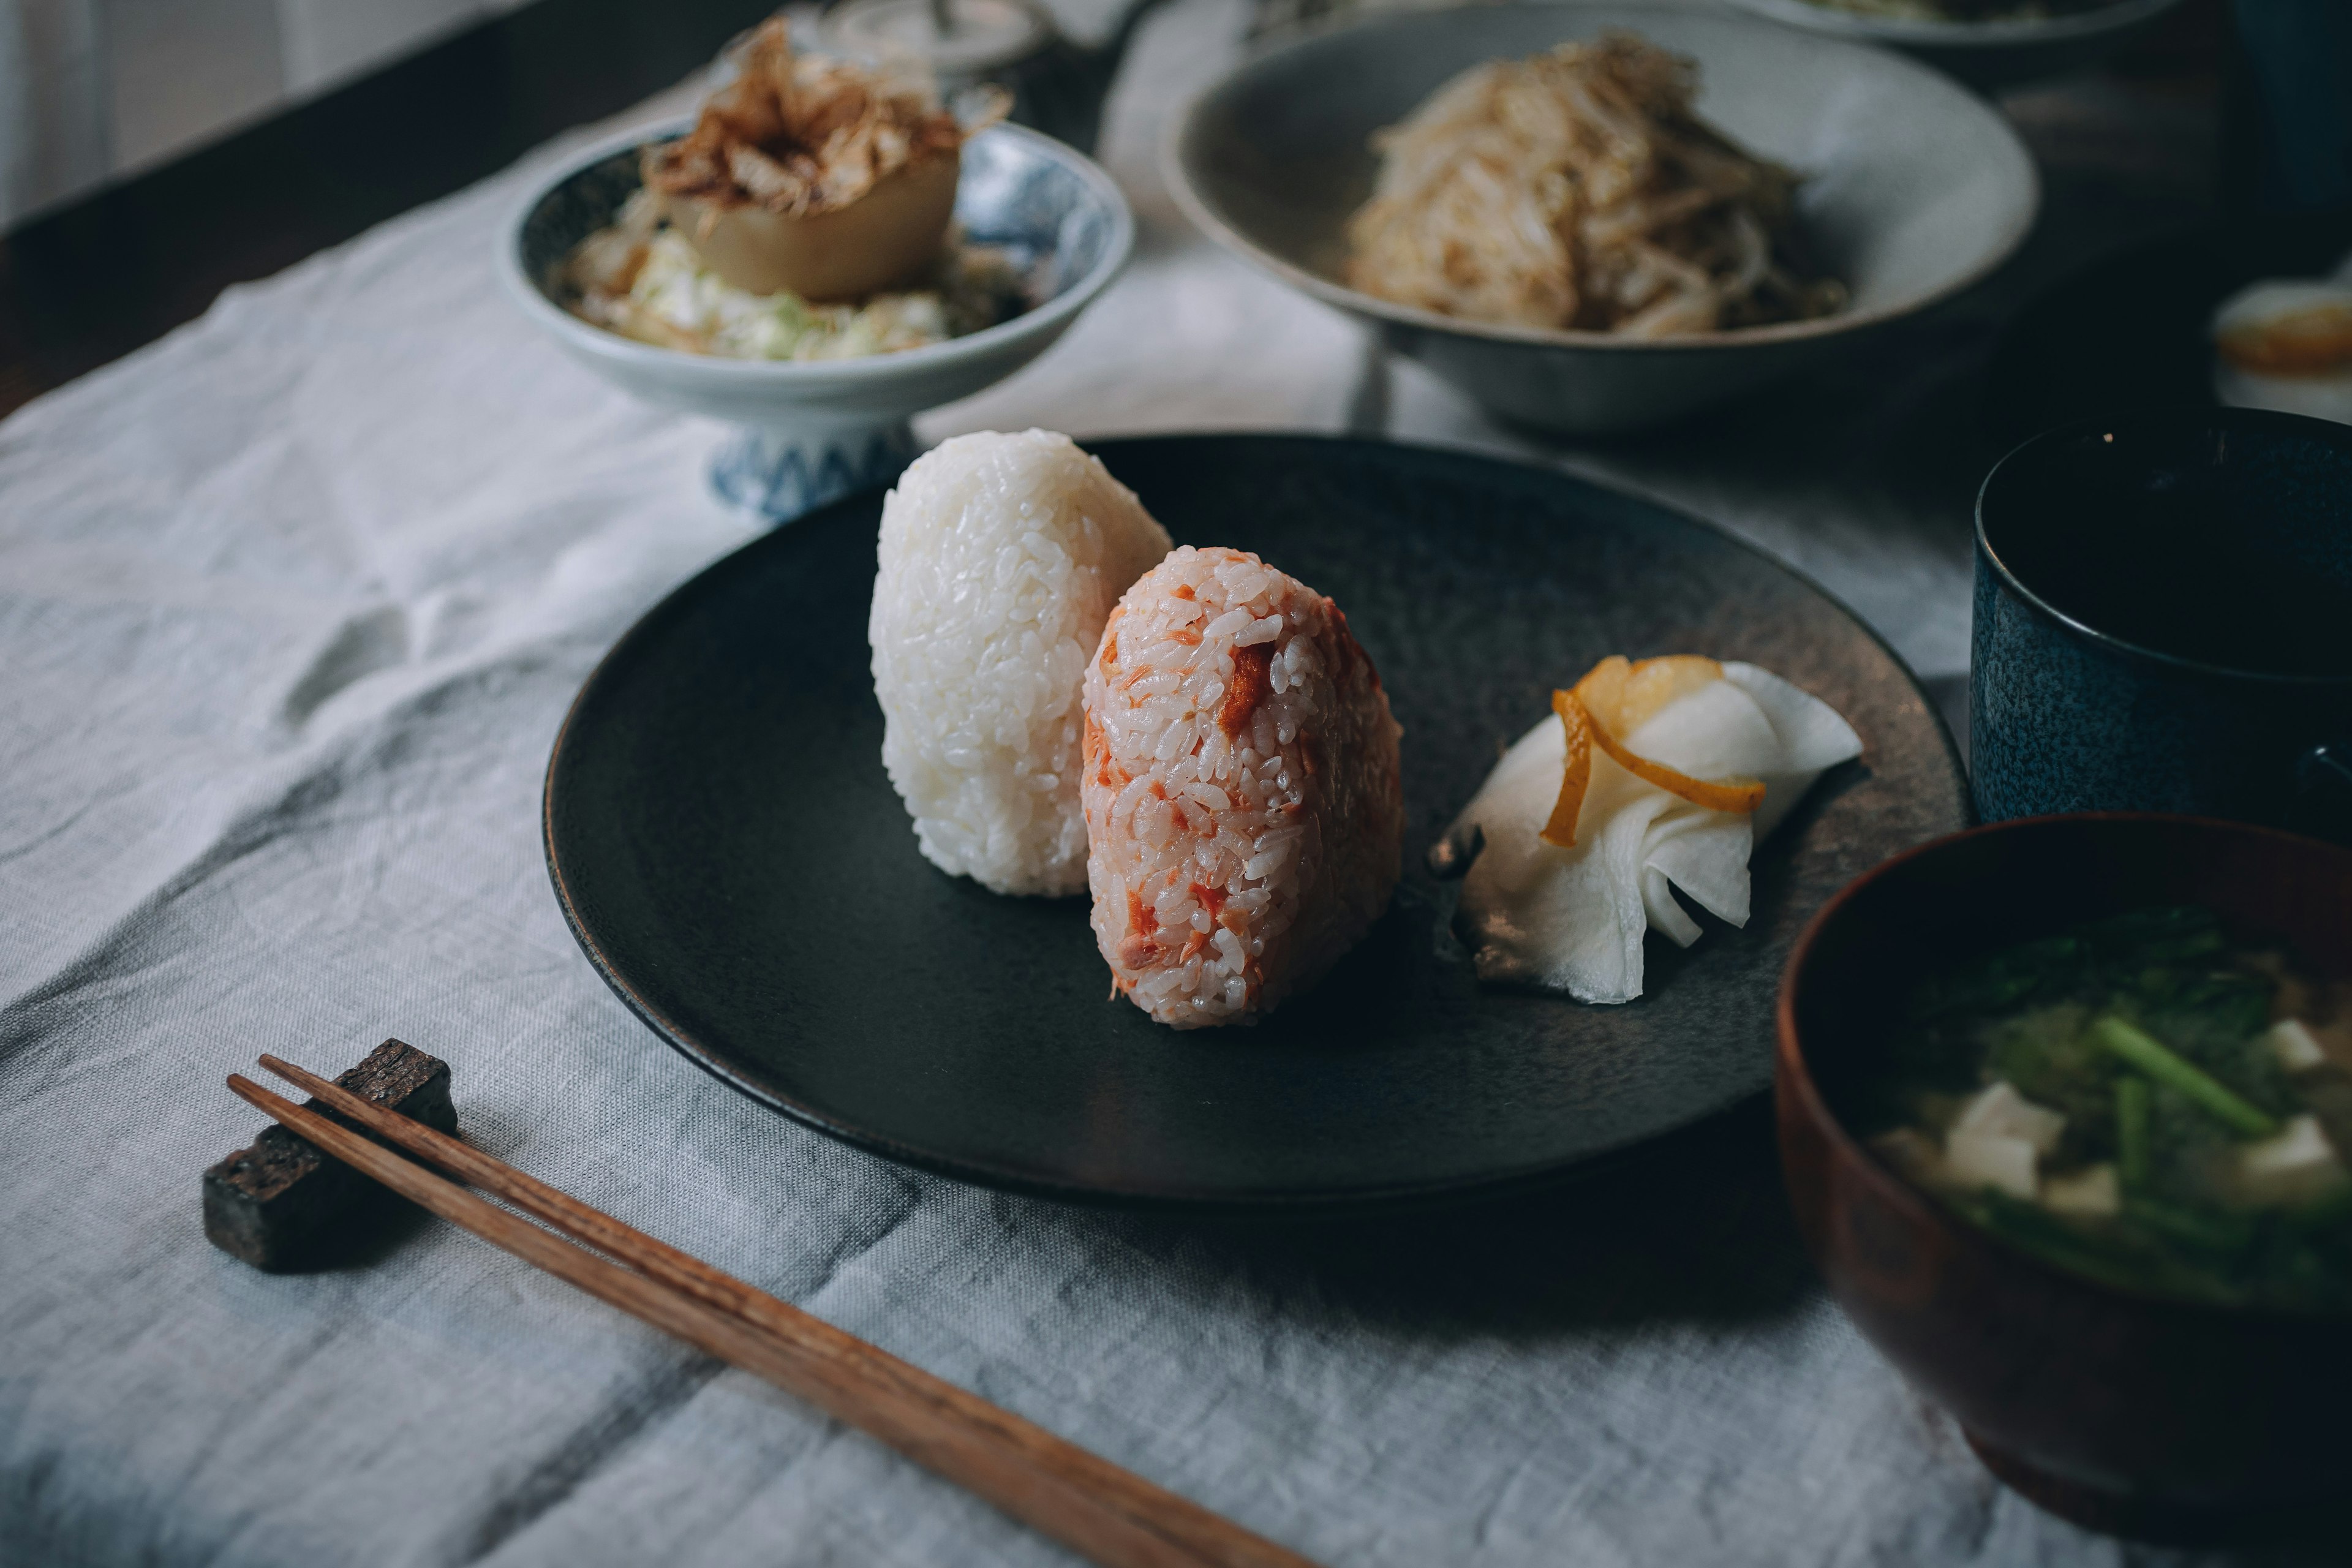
(555, 1478)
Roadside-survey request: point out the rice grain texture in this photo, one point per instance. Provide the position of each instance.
(1245, 815)
(999, 558)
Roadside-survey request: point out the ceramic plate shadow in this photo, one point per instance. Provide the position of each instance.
(730, 855)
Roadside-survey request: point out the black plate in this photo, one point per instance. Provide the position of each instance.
(730, 853)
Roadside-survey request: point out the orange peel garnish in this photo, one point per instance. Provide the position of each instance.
(1653, 683)
(1617, 695)
(1561, 828)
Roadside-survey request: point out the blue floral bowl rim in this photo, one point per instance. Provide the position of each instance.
(1046, 318)
(2258, 419)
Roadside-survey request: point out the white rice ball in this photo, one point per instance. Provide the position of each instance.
(1000, 558)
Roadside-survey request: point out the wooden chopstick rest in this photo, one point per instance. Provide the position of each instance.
(1088, 1504)
(282, 1205)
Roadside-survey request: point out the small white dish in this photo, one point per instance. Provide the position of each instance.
(2318, 388)
(811, 431)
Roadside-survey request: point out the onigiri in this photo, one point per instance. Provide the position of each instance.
(1000, 557)
(1243, 802)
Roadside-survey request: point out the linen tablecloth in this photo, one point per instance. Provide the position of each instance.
(290, 605)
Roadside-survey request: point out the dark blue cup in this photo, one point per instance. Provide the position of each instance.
(2164, 622)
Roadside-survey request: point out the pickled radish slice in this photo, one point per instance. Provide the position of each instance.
(1573, 858)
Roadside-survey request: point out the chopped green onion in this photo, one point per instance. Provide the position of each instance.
(2216, 1232)
(2038, 1231)
(2131, 1132)
(2158, 1061)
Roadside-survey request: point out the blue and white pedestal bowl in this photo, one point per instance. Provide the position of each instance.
(779, 474)
(810, 432)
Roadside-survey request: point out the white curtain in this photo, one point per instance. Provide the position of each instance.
(94, 88)
(55, 127)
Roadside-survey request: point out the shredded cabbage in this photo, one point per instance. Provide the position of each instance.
(643, 279)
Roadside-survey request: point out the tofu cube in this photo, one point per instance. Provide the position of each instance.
(2002, 1111)
(1996, 1160)
(2298, 1050)
(2297, 1164)
(2091, 1193)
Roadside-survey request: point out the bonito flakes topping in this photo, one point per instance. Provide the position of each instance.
(803, 136)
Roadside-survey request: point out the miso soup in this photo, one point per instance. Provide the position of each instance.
(2141, 1101)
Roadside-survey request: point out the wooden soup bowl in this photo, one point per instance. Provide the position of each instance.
(2123, 1412)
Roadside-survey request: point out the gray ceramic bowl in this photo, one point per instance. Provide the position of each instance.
(1916, 189)
(809, 432)
(1982, 54)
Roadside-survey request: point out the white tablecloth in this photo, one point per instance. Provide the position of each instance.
(291, 604)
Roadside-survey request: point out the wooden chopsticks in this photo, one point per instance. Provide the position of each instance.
(1116, 1518)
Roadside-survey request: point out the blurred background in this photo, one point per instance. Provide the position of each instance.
(153, 152)
(100, 89)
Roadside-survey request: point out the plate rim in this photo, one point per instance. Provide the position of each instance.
(1404, 1194)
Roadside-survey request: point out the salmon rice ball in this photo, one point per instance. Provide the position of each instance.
(999, 558)
(1243, 811)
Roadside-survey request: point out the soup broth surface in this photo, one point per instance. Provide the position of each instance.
(2141, 1101)
(2192, 544)
(2199, 591)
